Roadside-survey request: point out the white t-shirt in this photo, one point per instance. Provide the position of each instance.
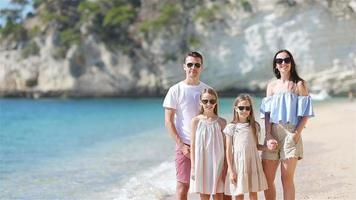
(185, 100)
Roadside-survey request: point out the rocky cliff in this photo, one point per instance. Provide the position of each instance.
(237, 38)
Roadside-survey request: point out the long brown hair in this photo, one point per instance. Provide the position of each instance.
(211, 92)
(251, 118)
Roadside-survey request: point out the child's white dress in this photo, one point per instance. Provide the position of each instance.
(209, 158)
(246, 161)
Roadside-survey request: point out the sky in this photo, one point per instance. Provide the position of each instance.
(6, 4)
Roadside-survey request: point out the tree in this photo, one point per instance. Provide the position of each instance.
(13, 20)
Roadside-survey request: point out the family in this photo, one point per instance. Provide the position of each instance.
(221, 159)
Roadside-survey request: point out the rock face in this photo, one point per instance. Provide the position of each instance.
(324, 47)
(238, 45)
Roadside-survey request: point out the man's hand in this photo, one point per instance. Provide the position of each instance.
(186, 150)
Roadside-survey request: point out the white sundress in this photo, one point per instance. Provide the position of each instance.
(209, 158)
(246, 161)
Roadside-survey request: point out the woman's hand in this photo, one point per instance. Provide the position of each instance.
(296, 136)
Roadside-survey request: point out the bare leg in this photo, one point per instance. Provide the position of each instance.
(204, 196)
(218, 196)
(182, 190)
(270, 168)
(239, 197)
(253, 195)
(287, 171)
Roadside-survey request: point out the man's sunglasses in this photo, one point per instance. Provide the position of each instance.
(211, 101)
(190, 65)
(241, 108)
(286, 60)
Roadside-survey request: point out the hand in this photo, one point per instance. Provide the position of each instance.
(224, 173)
(233, 177)
(186, 150)
(263, 148)
(272, 144)
(192, 174)
(296, 136)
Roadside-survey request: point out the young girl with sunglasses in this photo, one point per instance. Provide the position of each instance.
(207, 148)
(245, 172)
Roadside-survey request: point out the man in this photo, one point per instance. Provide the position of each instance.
(181, 105)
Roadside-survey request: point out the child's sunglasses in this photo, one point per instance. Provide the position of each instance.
(190, 65)
(286, 60)
(241, 108)
(211, 101)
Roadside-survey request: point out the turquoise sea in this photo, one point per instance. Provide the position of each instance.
(87, 149)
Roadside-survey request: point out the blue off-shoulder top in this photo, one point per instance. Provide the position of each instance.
(286, 108)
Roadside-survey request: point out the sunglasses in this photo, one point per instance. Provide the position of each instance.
(286, 60)
(211, 101)
(241, 108)
(190, 65)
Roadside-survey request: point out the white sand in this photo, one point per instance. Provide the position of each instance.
(328, 169)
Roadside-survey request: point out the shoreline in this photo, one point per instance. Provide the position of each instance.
(67, 94)
(328, 168)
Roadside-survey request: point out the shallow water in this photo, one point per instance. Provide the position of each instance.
(87, 149)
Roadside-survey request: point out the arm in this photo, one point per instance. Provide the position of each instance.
(233, 176)
(222, 123)
(259, 146)
(302, 91)
(298, 130)
(271, 142)
(169, 122)
(195, 121)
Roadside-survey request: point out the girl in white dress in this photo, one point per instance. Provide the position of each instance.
(245, 172)
(207, 148)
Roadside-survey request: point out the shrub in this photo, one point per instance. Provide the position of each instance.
(167, 12)
(31, 48)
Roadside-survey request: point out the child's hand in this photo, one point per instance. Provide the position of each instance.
(233, 177)
(223, 174)
(224, 171)
(272, 144)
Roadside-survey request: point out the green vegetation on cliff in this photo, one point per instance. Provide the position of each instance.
(120, 24)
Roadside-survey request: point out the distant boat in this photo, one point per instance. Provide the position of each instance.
(320, 95)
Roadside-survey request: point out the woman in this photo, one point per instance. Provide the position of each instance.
(286, 110)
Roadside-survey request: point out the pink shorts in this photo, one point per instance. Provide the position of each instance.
(182, 167)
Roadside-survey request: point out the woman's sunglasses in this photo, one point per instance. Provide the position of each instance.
(286, 60)
(241, 108)
(211, 101)
(190, 65)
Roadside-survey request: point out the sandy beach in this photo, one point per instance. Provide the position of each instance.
(328, 169)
